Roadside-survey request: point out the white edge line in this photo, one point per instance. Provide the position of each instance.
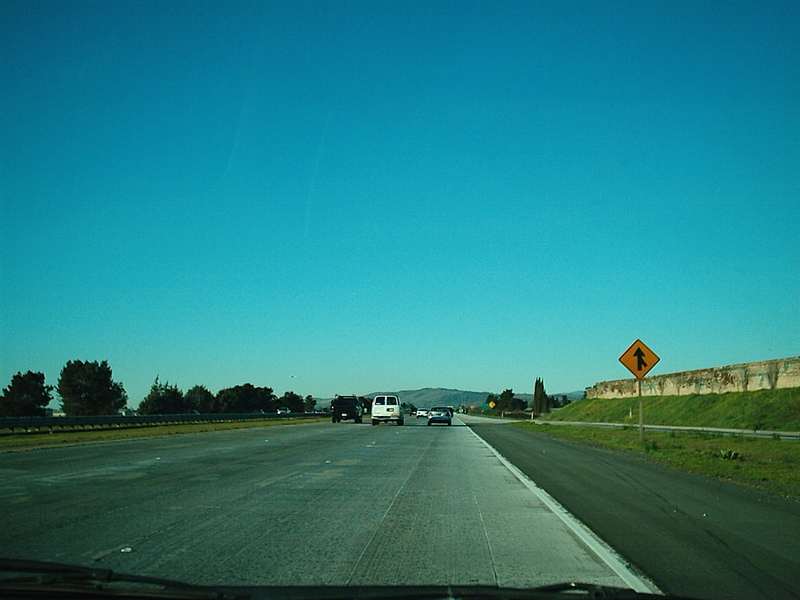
(586, 535)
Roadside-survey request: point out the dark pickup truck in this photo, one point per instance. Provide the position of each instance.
(345, 408)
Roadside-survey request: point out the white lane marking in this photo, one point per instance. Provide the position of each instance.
(597, 545)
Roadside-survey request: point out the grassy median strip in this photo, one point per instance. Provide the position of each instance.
(33, 440)
(772, 465)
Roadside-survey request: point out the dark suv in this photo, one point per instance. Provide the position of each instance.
(345, 408)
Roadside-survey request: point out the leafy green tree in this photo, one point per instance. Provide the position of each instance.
(87, 388)
(309, 403)
(292, 400)
(508, 402)
(199, 398)
(246, 398)
(163, 399)
(26, 396)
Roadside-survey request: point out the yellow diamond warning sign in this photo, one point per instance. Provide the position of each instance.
(639, 359)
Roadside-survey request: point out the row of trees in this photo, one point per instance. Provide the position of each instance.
(166, 399)
(541, 403)
(88, 389)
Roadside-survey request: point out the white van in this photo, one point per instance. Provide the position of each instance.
(387, 408)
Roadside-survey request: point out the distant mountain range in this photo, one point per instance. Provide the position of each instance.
(427, 397)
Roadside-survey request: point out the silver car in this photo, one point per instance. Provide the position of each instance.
(440, 414)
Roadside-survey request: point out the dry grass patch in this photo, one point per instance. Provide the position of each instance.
(29, 441)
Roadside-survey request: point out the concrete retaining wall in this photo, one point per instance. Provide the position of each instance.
(767, 374)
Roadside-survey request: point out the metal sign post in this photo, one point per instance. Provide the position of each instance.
(639, 359)
(641, 412)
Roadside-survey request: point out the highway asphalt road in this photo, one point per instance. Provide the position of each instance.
(317, 503)
(354, 504)
(692, 535)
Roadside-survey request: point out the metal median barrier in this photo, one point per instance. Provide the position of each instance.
(12, 425)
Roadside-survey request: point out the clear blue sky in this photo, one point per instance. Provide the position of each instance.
(355, 196)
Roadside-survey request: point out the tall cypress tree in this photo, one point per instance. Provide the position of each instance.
(540, 405)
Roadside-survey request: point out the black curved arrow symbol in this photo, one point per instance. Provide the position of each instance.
(639, 354)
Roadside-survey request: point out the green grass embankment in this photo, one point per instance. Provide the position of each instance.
(771, 410)
(769, 464)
